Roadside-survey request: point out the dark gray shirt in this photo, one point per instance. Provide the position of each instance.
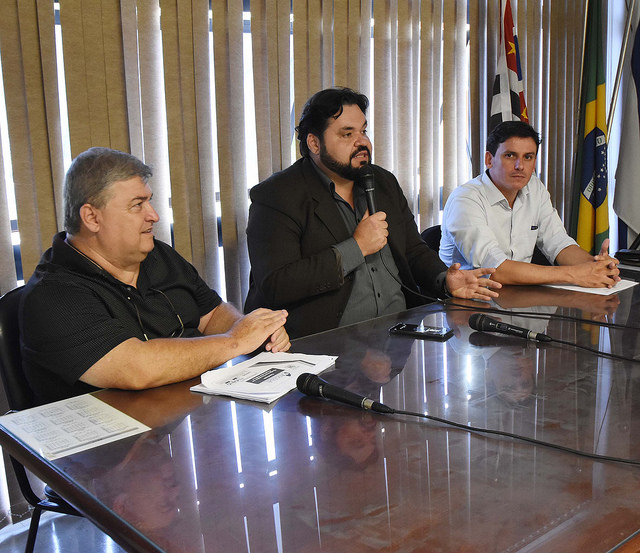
(375, 291)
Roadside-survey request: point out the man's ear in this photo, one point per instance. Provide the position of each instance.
(89, 216)
(313, 144)
(488, 160)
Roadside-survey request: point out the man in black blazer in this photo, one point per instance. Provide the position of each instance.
(317, 252)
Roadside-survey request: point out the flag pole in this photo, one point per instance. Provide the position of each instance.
(584, 43)
(576, 135)
(623, 52)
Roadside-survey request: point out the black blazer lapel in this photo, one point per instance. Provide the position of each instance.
(325, 206)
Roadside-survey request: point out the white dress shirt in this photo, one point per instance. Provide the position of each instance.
(479, 229)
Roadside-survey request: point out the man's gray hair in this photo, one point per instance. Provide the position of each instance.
(90, 177)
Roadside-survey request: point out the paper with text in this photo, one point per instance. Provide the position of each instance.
(64, 427)
(619, 286)
(265, 377)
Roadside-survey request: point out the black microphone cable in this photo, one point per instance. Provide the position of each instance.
(596, 351)
(382, 409)
(541, 316)
(484, 323)
(534, 441)
(461, 307)
(448, 302)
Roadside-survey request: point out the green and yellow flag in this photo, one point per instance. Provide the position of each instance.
(590, 216)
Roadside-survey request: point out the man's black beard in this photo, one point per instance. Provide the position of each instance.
(344, 170)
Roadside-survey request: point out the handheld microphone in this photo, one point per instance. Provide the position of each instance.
(314, 386)
(366, 180)
(479, 321)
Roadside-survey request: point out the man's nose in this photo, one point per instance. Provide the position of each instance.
(152, 214)
(518, 164)
(362, 139)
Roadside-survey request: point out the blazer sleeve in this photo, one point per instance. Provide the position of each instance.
(290, 248)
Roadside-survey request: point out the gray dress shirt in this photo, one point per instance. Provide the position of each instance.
(376, 285)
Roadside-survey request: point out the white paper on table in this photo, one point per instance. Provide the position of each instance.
(619, 286)
(265, 377)
(69, 426)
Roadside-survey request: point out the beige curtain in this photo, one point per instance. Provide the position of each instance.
(270, 34)
(229, 76)
(8, 277)
(94, 74)
(149, 77)
(454, 97)
(187, 77)
(429, 161)
(332, 47)
(27, 46)
(144, 81)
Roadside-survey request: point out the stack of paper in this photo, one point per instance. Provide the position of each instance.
(70, 425)
(265, 377)
(618, 287)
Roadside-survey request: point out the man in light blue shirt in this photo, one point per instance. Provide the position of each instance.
(496, 220)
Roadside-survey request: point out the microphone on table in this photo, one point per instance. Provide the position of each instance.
(479, 321)
(366, 180)
(314, 386)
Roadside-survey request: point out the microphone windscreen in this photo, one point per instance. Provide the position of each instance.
(365, 171)
(366, 178)
(477, 321)
(308, 384)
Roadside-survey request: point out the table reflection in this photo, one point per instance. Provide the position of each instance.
(140, 478)
(309, 475)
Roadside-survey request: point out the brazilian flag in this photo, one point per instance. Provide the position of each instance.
(590, 217)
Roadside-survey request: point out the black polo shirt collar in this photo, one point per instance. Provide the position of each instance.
(72, 259)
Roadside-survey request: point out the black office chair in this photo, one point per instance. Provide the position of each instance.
(538, 257)
(432, 237)
(20, 396)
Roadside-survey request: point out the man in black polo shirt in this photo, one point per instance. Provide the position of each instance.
(110, 307)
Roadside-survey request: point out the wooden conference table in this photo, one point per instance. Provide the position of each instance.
(310, 475)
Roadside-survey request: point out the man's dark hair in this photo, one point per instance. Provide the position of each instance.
(90, 177)
(321, 107)
(508, 129)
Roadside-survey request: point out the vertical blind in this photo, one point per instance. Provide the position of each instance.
(166, 80)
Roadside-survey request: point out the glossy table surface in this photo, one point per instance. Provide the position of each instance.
(310, 475)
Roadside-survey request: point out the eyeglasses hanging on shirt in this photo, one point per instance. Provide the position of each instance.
(176, 333)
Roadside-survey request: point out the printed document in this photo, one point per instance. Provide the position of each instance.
(71, 425)
(265, 377)
(618, 287)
